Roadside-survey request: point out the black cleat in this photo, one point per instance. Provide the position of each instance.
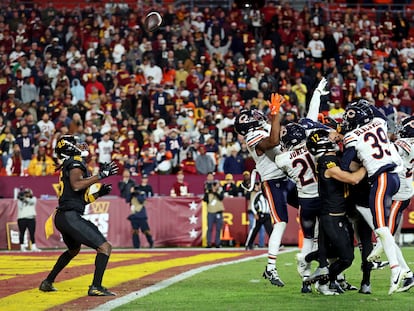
(335, 287)
(99, 291)
(47, 286)
(306, 288)
(273, 277)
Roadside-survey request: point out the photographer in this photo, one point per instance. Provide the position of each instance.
(26, 217)
(213, 196)
(138, 217)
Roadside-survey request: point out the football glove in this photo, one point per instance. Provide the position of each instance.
(274, 105)
(321, 87)
(105, 189)
(108, 169)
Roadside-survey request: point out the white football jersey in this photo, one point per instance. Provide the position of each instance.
(372, 145)
(265, 164)
(299, 165)
(405, 149)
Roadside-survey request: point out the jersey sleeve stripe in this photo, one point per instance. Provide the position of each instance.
(254, 140)
(347, 140)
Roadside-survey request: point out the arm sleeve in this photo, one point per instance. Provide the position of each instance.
(347, 157)
(314, 106)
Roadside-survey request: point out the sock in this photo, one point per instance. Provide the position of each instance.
(401, 259)
(61, 263)
(307, 246)
(101, 260)
(388, 242)
(274, 244)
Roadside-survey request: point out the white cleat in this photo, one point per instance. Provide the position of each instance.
(376, 253)
(396, 279)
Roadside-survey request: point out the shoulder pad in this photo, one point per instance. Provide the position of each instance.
(254, 137)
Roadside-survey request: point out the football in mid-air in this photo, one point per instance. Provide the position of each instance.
(152, 21)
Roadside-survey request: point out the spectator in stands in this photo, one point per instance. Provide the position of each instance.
(41, 164)
(234, 163)
(204, 163)
(147, 162)
(14, 165)
(7, 140)
(46, 126)
(180, 188)
(164, 160)
(129, 146)
(26, 144)
(230, 188)
(105, 148)
(188, 164)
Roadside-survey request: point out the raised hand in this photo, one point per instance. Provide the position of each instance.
(276, 100)
(321, 87)
(108, 169)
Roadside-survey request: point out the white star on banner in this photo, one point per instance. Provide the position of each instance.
(193, 219)
(193, 233)
(193, 206)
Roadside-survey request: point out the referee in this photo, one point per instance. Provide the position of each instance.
(261, 211)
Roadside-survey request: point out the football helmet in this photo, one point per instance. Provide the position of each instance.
(356, 114)
(407, 128)
(318, 143)
(249, 120)
(328, 121)
(67, 146)
(292, 135)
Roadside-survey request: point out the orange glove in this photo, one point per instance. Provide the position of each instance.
(276, 101)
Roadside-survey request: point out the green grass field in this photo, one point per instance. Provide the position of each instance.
(241, 287)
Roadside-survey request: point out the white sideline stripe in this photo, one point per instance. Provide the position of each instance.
(168, 282)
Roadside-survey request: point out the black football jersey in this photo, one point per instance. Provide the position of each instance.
(331, 191)
(70, 199)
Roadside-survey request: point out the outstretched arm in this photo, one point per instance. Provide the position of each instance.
(316, 100)
(274, 138)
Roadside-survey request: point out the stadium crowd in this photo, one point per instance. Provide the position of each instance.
(154, 102)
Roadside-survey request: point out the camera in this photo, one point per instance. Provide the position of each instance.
(210, 185)
(24, 193)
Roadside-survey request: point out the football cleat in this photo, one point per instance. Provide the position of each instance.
(47, 286)
(408, 282)
(99, 291)
(396, 279)
(346, 286)
(324, 289)
(375, 254)
(273, 277)
(365, 289)
(335, 287)
(379, 265)
(320, 274)
(306, 288)
(302, 265)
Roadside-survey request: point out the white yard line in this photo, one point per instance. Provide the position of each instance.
(168, 282)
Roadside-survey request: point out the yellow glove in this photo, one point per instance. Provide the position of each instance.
(276, 101)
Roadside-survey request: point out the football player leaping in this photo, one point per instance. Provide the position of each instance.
(262, 141)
